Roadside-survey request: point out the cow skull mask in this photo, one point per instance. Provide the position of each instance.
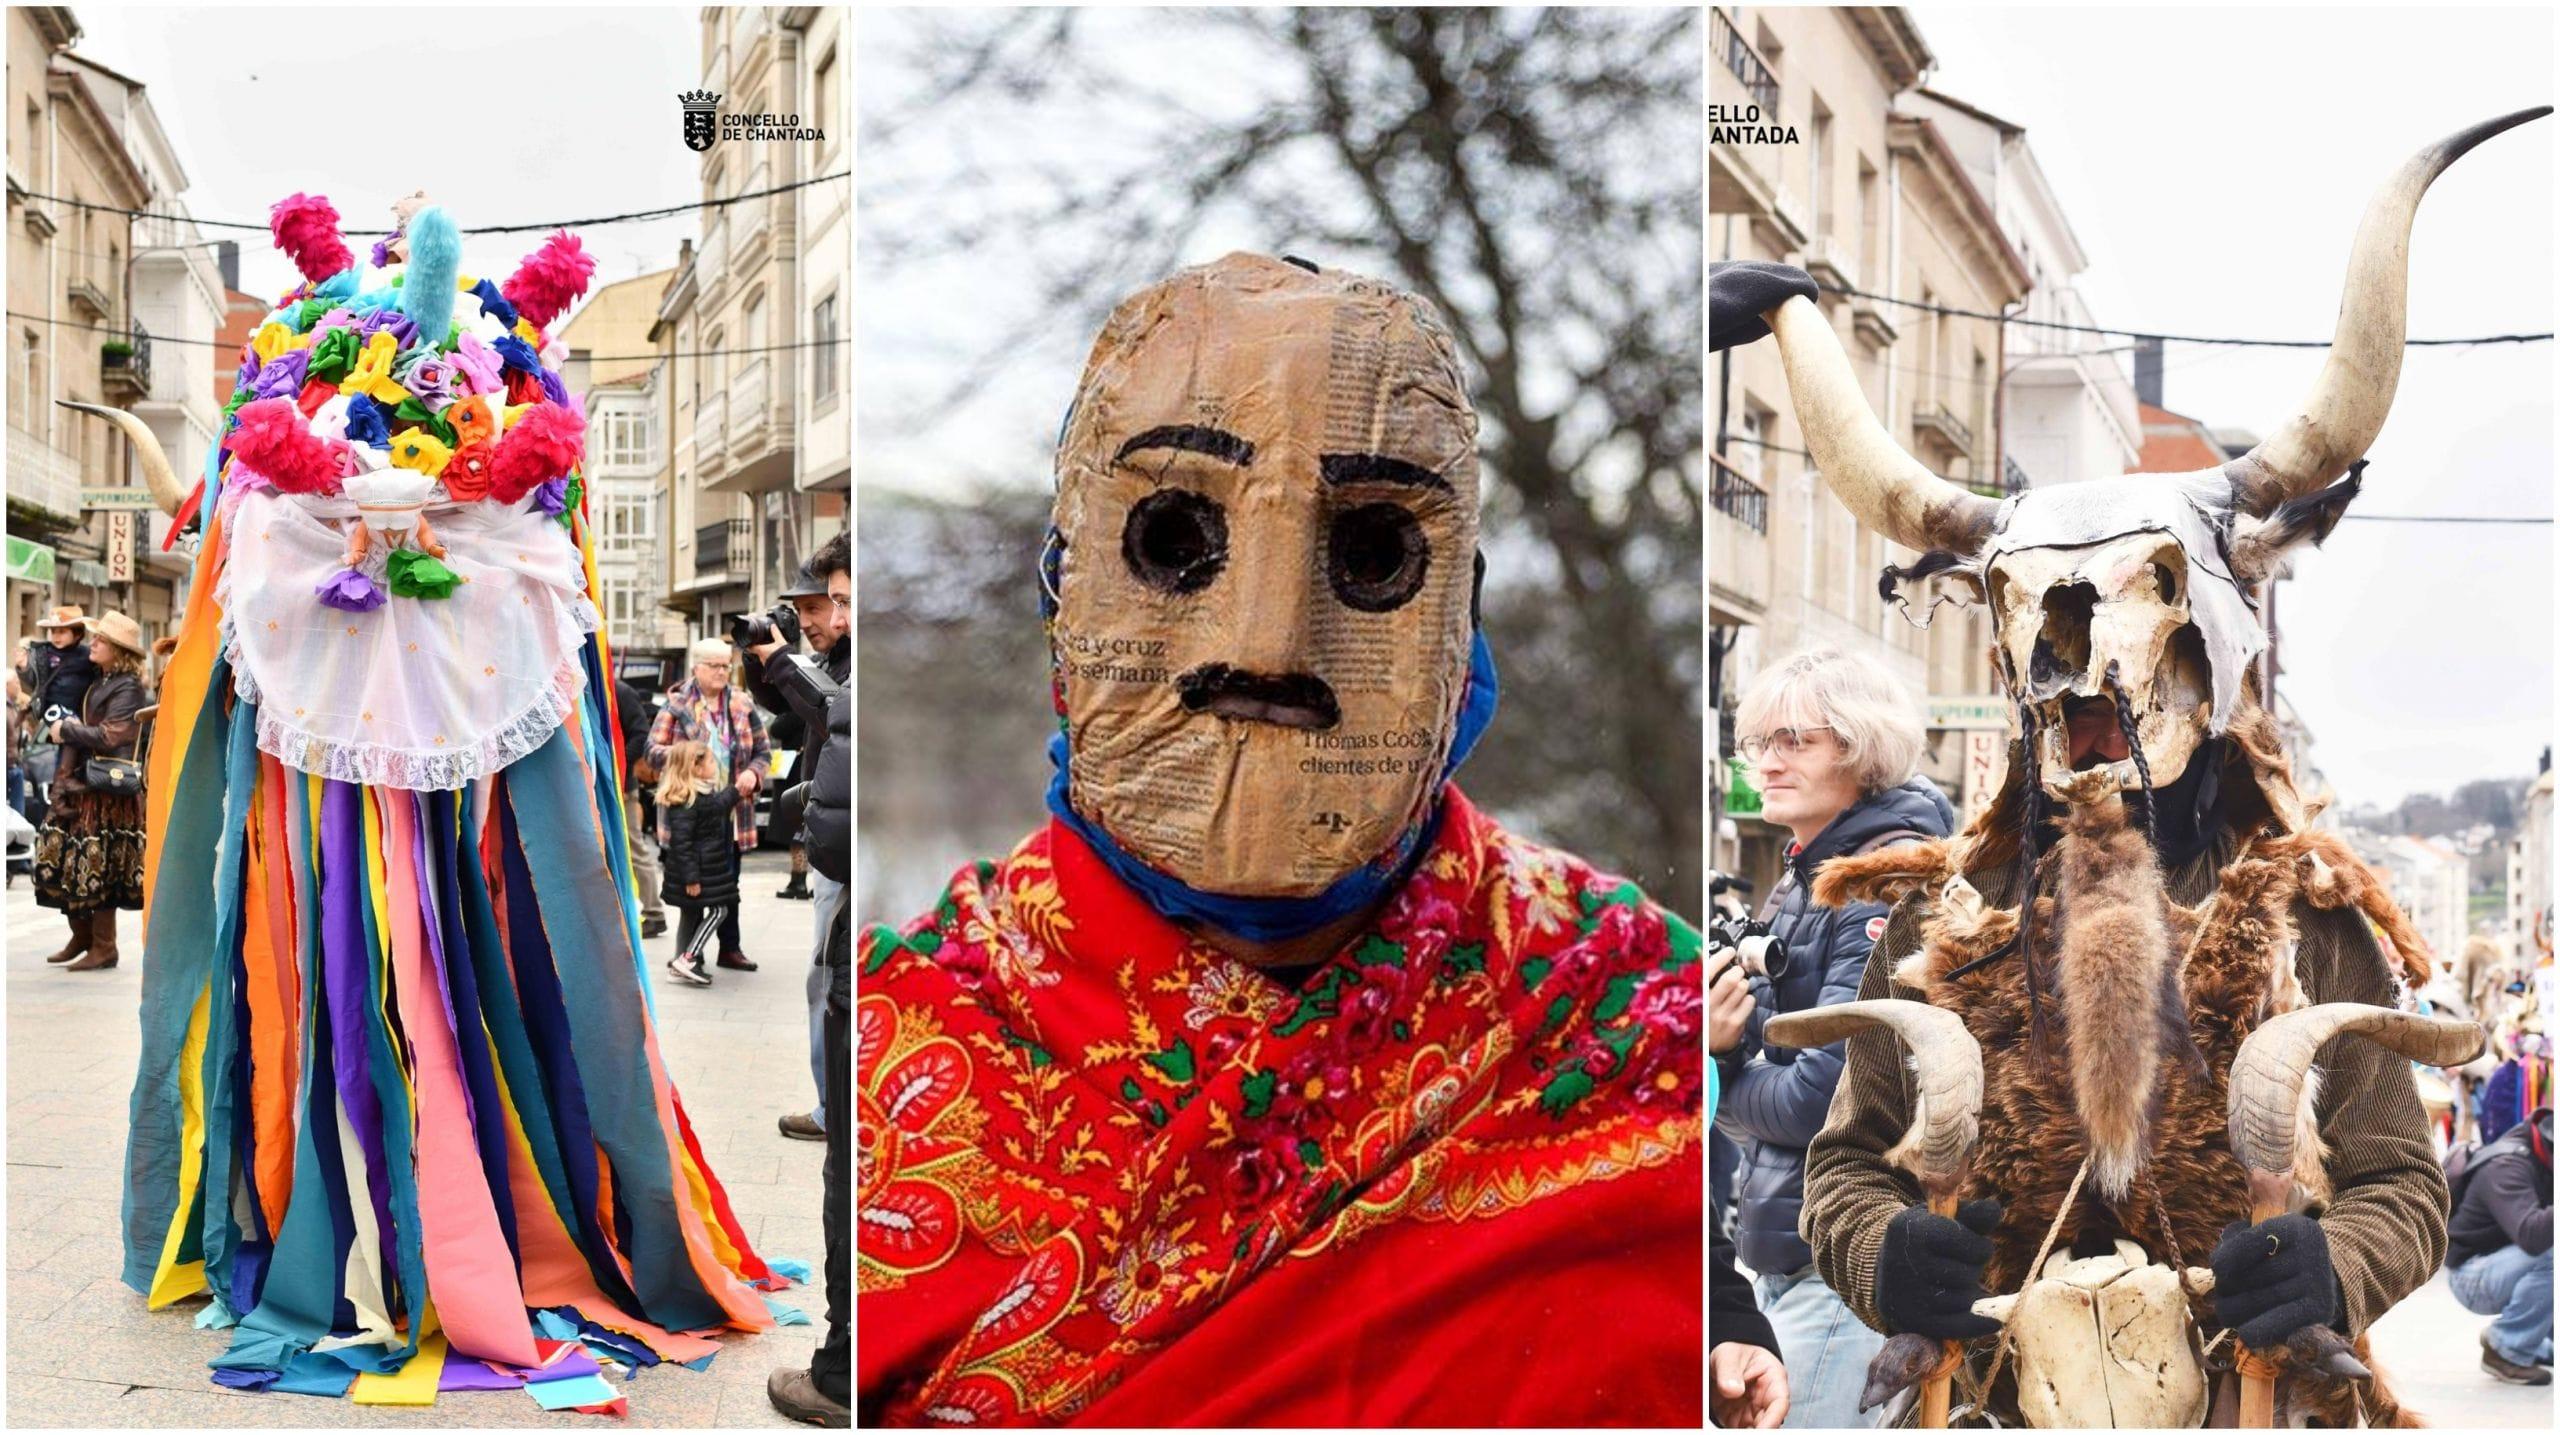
(2134, 588)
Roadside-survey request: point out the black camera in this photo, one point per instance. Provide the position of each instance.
(1761, 954)
(754, 630)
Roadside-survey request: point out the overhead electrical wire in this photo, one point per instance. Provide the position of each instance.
(599, 221)
(156, 340)
(2168, 338)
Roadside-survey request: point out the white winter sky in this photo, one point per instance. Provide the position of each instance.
(2213, 163)
(503, 116)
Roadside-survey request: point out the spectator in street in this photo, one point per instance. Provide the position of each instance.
(639, 778)
(701, 854)
(707, 708)
(89, 853)
(57, 675)
(822, 595)
(1834, 743)
(2498, 1249)
(1747, 1376)
(17, 739)
(823, 1393)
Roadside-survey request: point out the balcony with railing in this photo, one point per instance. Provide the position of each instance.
(723, 550)
(1738, 556)
(1934, 422)
(124, 366)
(1743, 63)
(711, 263)
(763, 427)
(752, 221)
(711, 432)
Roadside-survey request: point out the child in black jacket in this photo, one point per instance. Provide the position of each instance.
(698, 851)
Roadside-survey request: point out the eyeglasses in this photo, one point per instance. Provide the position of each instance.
(1785, 742)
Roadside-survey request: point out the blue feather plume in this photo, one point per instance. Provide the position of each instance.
(435, 261)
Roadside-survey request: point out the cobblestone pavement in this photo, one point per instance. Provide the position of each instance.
(82, 1350)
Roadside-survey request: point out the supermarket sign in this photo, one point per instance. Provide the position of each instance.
(1990, 710)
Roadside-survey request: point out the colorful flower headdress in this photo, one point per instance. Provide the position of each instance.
(375, 379)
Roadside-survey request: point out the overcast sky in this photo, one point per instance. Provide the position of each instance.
(2213, 164)
(517, 116)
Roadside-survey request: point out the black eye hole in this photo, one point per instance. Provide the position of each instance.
(2168, 581)
(1175, 540)
(1378, 556)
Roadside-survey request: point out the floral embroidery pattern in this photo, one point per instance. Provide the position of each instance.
(1162, 1123)
(917, 1125)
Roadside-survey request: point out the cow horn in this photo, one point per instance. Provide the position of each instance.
(2267, 1076)
(1885, 487)
(165, 488)
(1945, 1060)
(2352, 396)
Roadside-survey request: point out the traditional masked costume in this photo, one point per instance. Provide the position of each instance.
(2112, 936)
(1111, 1174)
(401, 1094)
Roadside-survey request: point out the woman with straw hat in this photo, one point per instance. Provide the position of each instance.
(89, 854)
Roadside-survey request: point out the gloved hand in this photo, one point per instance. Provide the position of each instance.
(2274, 1278)
(1929, 1273)
(1739, 291)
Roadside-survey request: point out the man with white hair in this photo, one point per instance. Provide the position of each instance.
(1833, 742)
(707, 708)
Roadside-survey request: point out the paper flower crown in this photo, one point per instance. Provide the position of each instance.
(379, 384)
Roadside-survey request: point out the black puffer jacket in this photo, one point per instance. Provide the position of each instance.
(2506, 1196)
(701, 847)
(1775, 1097)
(57, 679)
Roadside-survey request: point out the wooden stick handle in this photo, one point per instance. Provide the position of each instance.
(2257, 1373)
(1933, 1391)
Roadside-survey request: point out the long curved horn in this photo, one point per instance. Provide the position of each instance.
(166, 491)
(1887, 488)
(2352, 396)
(2267, 1076)
(1946, 1061)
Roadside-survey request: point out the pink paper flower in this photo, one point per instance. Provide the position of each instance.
(306, 229)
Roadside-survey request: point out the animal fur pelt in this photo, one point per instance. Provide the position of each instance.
(2119, 997)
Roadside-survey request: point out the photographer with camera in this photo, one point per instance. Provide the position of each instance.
(817, 809)
(819, 607)
(1834, 743)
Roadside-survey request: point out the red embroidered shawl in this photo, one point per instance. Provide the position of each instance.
(1108, 1175)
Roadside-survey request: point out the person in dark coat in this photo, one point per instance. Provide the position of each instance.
(698, 849)
(632, 709)
(1746, 1371)
(2498, 1250)
(56, 676)
(89, 853)
(1833, 741)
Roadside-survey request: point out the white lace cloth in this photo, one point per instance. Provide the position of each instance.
(420, 693)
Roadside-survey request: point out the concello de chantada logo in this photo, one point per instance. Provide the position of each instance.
(704, 124)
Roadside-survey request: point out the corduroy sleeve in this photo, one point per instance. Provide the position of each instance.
(2386, 1215)
(1850, 1192)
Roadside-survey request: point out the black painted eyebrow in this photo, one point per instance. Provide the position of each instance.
(1376, 468)
(1216, 443)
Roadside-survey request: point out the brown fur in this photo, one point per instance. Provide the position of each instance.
(2114, 958)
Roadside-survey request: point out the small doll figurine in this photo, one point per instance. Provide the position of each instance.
(390, 503)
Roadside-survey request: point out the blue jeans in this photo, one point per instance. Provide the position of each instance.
(828, 899)
(1826, 1350)
(2516, 1288)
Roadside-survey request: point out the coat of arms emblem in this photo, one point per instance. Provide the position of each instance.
(701, 117)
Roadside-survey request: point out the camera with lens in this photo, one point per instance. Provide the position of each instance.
(754, 630)
(1761, 954)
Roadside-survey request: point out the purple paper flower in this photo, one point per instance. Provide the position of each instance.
(248, 369)
(403, 328)
(350, 591)
(553, 496)
(381, 252)
(428, 375)
(284, 375)
(553, 389)
(480, 364)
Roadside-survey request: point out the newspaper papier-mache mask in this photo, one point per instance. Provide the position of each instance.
(1263, 564)
(2133, 587)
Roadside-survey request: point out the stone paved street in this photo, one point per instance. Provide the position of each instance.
(82, 1350)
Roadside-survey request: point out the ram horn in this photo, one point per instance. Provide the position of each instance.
(166, 491)
(1885, 487)
(2267, 1076)
(1945, 1061)
(2352, 396)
